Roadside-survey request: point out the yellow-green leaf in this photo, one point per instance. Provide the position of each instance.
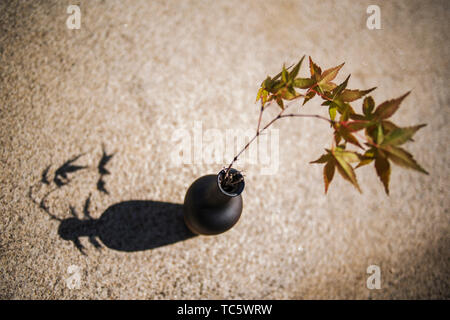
(348, 156)
(327, 86)
(296, 69)
(348, 95)
(279, 74)
(380, 134)
(329, 74)
(288, 94)
(346, 170)
(303, 83)
(332, 112)
(265, 94)
(366, 158)
(284, 75)
(260, 91)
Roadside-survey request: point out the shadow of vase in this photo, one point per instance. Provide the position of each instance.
(130, 226)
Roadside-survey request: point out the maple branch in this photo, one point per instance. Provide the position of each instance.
(259, 131)
(380, 134)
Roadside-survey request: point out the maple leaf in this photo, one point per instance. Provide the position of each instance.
(319, 81)
(401, 157)
(398, 136)
(323, 80)
(383, 169)
(339, 158)
(398, 156)
(344, 130)
(382, 137)
(309, 96)
(296, 69)
(349, 95)
(303, 83)
(388, 108)
(367, 157)
(338, 100)
(315, 70)
(328, 169)
(379, 117)
(327, 76)
(386, 148)
(281, 87)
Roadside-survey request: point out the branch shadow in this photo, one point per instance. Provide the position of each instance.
(129, 226)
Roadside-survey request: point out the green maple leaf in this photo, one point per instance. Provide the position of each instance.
(348, 95)
(281, 87)
(386, 148)
(303, 83)
(401, 157)
(284, 75)
(335, 93)
(288, 93)
(398, 136)
(339, 98)
(296, 69)
(380, 115)
(270, 86)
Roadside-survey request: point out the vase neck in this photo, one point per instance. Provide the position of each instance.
(214, 196)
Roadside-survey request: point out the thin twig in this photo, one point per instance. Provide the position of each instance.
(259, 131)
(306, 116)
(260, 117)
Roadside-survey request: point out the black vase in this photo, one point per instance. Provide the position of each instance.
(209, 209)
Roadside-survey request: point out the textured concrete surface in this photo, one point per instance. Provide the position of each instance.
(138, 71)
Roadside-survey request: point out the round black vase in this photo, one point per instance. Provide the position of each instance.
(210, 210)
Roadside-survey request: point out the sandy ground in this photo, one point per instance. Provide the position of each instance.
(137, 74)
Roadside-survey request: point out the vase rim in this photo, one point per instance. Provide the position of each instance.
(230, 194)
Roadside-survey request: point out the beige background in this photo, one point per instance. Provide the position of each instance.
(137, 71)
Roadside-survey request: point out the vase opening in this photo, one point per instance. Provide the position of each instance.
(234, 185)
